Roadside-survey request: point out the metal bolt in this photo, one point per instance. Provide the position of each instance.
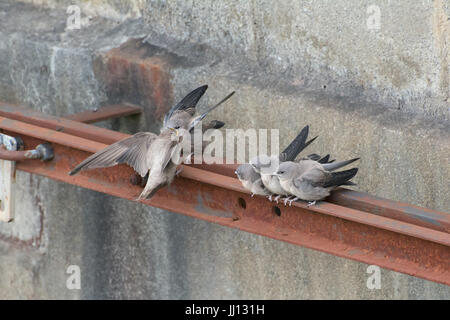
(43, 151)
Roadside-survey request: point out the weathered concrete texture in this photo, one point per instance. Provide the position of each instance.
(315, 44)
(127, 250)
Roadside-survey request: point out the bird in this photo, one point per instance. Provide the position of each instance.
(266, 165)
(251, 180)
(311, 180)
(155, 155)
(181, 116)
(213, 124)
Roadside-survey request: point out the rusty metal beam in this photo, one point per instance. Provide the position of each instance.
(420, 216)
(70, 127)
(104, 113)
(354, 231)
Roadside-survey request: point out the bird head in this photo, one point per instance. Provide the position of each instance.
(286, 170)
(175, 130)
(243, 172)
(265, 164)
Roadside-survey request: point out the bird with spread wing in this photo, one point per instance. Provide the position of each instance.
(155, 155)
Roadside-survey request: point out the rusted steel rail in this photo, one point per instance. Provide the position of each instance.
(107, 112)
(352, 225)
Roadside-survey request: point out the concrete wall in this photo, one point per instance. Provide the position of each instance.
(382, 95)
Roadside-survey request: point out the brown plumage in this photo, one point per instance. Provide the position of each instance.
(149, 154)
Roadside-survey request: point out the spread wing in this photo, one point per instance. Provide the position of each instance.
(173, 153)
(132, 151)
(187, 104)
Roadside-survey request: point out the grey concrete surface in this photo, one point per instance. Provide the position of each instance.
(404, 64)
(343, 80)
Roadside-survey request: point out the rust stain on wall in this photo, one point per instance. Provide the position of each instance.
(136, 73)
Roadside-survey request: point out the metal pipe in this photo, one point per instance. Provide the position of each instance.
(42, 152)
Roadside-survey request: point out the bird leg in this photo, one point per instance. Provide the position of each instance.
(277, 197)
(292, 200)
(269, 197)
(311, 203)
(188, 159)
(178, 171)
(287, 199)
(252, 195)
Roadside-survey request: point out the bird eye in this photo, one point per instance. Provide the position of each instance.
(280, 172)
(177, 127)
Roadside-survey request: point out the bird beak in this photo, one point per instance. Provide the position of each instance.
(174, 130)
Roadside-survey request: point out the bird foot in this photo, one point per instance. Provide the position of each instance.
(252, 195)
(188, 159)
(286, 200)
(311, 203)
(292, 200)
(269, 197)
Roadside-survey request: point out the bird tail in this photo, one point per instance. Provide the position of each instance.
(319, 159)
(214, 124)
(336, 165)
(340, 178)
(152, 186)
(313, 156)
(325, 159)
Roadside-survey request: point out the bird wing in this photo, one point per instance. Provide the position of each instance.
(296, 146)
(320, 178)
(174, 153)
(187, 104)
(313, 176)
(132, 151)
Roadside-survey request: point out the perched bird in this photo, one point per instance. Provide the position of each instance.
(148, 153)
(251, 180)
(311, 181)
(266, 165)
(213, 124)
